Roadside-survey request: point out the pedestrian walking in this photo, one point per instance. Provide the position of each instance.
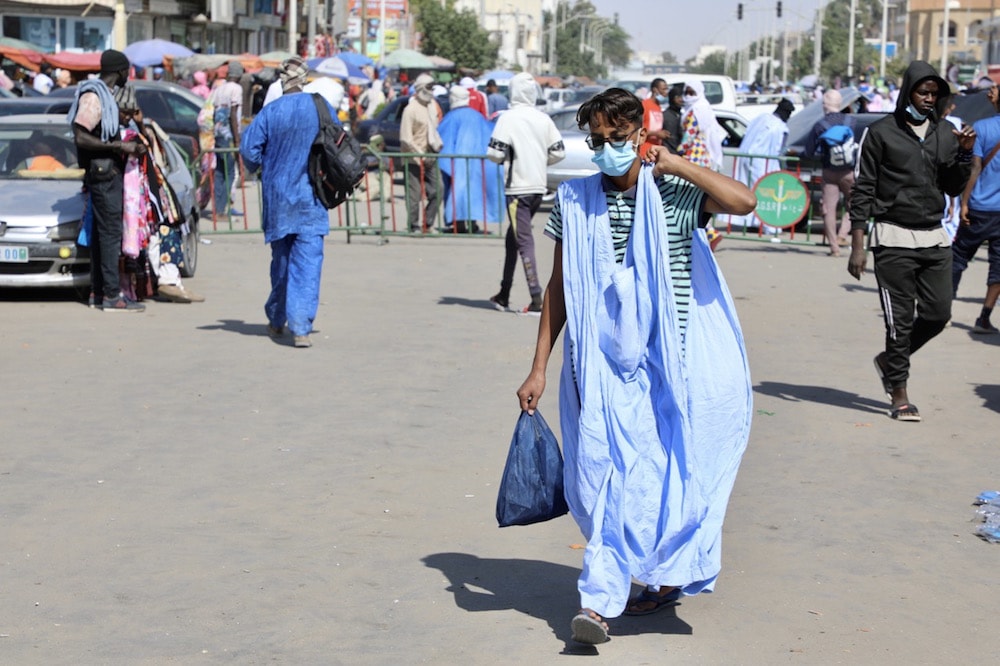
(526, 141)
(495, 101)
(838, 166)
(227, 101)
(908, 162)
(763, 142)
(418, 133)
(101, 154)
(294, 222)
(672, 117)
(652, 115)
(701, 141)
(980, 214)
(654, 396)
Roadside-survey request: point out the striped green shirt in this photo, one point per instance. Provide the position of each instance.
(683, 208)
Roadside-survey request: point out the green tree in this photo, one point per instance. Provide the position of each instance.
(714, 63)
(668, 58)
(454, 35)
(577, 33)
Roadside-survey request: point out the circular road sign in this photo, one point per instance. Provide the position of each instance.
(782, 199)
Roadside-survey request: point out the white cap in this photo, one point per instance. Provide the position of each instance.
(468, 82)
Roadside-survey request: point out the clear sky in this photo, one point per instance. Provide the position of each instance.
(682, 26)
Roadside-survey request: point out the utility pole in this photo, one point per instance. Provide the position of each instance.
(311, 30)
(851, 29)
(293, 26)
(818, 45)
(945, 35)
(885, 29)
(364, 27)
(553, 25)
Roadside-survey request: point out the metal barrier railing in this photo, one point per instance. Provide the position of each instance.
(756, 231)
(208, 174)
(460, 195)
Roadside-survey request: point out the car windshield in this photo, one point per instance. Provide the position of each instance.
(32, 153)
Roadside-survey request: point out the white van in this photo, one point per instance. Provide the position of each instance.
(720, 91)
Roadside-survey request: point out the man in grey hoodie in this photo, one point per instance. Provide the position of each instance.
(526, 141)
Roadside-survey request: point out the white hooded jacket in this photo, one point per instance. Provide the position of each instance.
(526, 139)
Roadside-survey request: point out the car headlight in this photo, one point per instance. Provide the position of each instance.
(65, 231)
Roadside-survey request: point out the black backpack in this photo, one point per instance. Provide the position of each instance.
(336, 163)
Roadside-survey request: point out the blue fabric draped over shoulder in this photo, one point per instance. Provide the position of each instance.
(475, 190)
(654, 425)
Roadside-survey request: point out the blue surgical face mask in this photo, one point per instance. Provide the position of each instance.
(916, 115)
(614, 161)
(660, 99)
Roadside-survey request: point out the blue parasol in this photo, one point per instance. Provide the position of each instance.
(150, 52)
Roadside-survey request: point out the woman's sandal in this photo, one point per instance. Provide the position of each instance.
(589, 628)
(659, 601)
(905, 412)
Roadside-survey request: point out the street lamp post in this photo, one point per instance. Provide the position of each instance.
(852, 28)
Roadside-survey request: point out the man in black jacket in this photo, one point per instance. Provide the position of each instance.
(907, 163)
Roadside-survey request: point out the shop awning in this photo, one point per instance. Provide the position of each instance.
(110, 4)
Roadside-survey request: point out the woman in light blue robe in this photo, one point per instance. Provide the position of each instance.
(655, 395)
(473, 187)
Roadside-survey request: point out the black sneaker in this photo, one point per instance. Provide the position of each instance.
(535, 309)
(500, 303)
(121, 304)
(983, 327)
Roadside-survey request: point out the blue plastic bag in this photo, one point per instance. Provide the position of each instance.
(531, 490)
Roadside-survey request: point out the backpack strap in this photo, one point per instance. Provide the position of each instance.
(322, 110)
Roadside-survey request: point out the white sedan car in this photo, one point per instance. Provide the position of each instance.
(41, 204)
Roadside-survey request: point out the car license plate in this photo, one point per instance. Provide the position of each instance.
(13, 254)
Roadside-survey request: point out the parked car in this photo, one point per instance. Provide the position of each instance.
(172, 106)
(17, 106)
(578, 163)
(41, 211)
(386, 123)
(720, 91)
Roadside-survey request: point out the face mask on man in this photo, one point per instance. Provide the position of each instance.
(614, 161)
(689, 100)
(916, 115)
(424, 96)
(660, 99)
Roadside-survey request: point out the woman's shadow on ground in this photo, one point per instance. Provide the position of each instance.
(541, 590)
(823, 395)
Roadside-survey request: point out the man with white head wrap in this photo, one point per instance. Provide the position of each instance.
(471, 187)
(294, 222)
(418, 133)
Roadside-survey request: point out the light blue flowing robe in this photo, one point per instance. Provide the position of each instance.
(766, 135)
(277, 142)
(464, 131)
(652, 435)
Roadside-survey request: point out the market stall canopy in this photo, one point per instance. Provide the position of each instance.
(20, 44)
(110, 4)
(273, 58)
(149, 52)
(441, 63)
(23, 57)
(183, 68)
(407, 59)
(75, 62)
